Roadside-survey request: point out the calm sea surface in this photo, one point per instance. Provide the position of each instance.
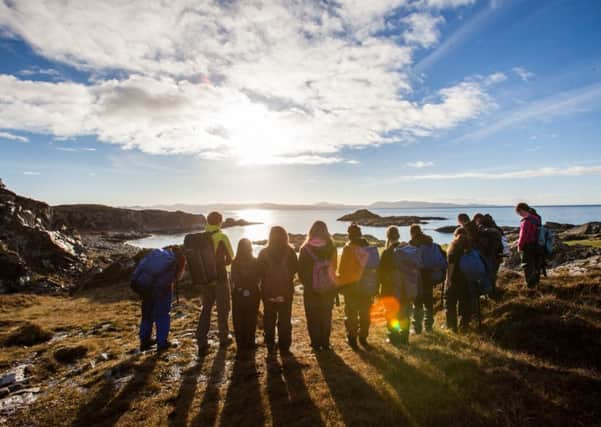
(300, 221)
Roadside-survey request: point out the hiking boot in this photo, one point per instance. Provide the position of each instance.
(166, 346)
(352, 342)
(364, 343)
(226, 342)
(147, 344)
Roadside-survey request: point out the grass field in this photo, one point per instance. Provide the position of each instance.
(535, 362)
(595, 243)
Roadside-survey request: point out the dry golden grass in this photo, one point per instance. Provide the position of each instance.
(503, 375)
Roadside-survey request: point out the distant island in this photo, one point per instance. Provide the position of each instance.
(402, 204)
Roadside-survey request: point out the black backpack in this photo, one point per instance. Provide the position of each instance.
(200, 254)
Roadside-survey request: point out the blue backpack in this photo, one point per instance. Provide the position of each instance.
(545, 237)
(155, 271)
(369, 283)
(475, 271)
(434, 262)
(407, 275)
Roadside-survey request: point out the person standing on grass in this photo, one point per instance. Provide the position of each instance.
(219, 293)
(154, 279)
(356, 304)
(470, 227)
(491, 249)
(457, 291)
(317, 261)
(530, 252)
(277, 266)
(398, 307)
(245, 295)
(423, 307)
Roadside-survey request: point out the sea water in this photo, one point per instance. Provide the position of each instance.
(299, 221)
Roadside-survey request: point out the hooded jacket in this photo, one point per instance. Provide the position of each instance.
(529, 230)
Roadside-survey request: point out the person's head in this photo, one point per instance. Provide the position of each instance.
(523, 210)
(319, 230)
(477, 218)
(415, 231)
(460, 235)
(354, 231)
(487, 221)
(392, 236)
(463, 219)
(245, 249)
(215, 218)
(278, 237)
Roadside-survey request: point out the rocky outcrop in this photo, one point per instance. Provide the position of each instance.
(367, 218)
(231, 222)
(30, 241)
(447, 229)
(96, 218)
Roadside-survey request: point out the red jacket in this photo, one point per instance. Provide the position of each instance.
(529, 230)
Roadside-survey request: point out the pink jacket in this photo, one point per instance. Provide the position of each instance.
(528, 230)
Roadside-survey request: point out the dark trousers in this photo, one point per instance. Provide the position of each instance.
(532, 264)
(218, 294)
(318, 310)
(280, 315)
(245, 310)
(458, 296)
(155, 310)
(423, 307)
(356, 311)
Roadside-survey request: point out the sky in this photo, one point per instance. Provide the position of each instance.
(349, 101)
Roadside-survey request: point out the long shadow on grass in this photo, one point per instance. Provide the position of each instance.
(185, 395)
(430, 401)
(289, 397)
(358, 402)
(243, 404)
(209, 406)
(517, 391)
(105, 408)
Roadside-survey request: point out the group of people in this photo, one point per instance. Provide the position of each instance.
(402, 278)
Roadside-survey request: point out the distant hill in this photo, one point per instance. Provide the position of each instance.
(403, 204)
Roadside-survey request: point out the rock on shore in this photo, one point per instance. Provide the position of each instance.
(367, 218)
(96, 218)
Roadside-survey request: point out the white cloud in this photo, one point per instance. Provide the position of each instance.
(495, 78)
(13, 137)
(38, 71)
(31, 173)
(422, 29)
(260, 82)
(519, 174)
(420, 164)
(440, 4)
(523, 73)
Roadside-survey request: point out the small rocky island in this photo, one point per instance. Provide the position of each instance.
(367, 218)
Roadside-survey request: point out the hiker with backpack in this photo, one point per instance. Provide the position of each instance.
(245, 295)
(492, 248)
(277, 266)
(433, 272)
(470, 227)
(358, 279)
(392, 293)
(218, 291)
(530, 244)
(456, 290)
(317, 261)
(154, 279)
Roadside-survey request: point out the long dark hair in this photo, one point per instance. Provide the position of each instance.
(460, 238)
(522, 206)
(244, 251)
(278, 238)
(319, 229)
